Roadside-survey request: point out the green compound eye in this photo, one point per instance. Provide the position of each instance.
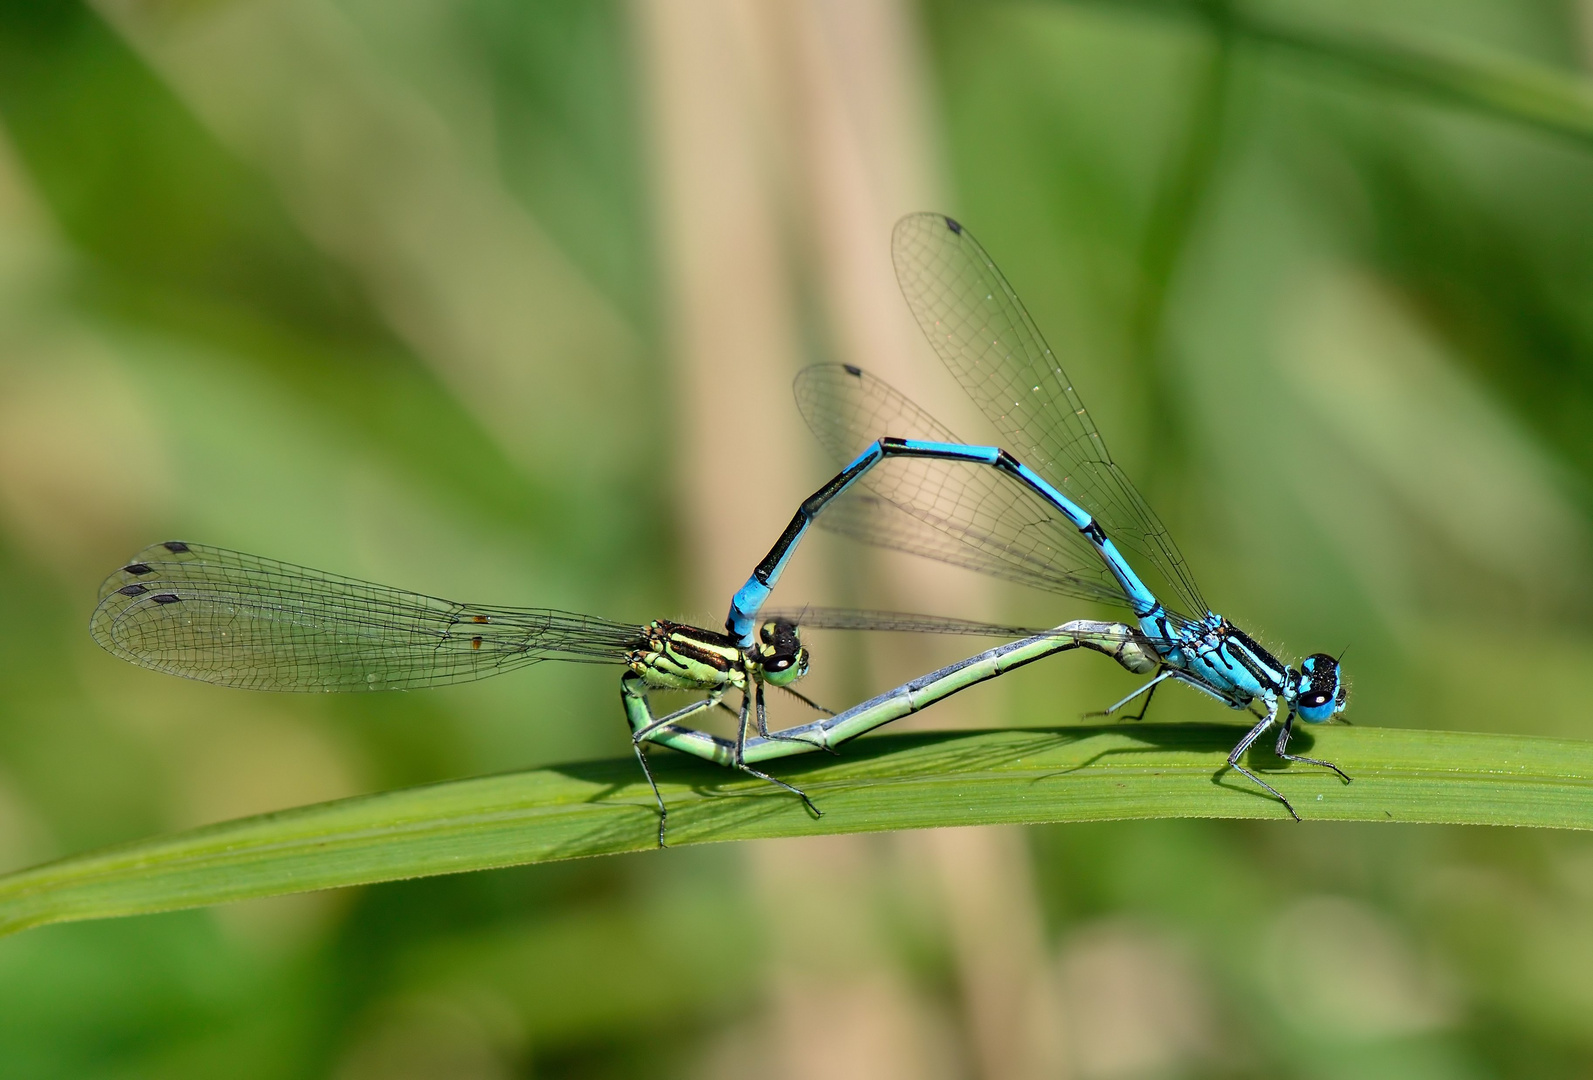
(785, 670)
(781, 653)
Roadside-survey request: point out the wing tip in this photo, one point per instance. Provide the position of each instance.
(922, 222)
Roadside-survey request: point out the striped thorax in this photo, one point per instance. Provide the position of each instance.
(675, 656)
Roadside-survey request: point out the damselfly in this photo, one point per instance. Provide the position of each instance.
(1025, 524)
(245, 621)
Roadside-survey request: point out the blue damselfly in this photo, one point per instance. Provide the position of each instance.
(1025, 524)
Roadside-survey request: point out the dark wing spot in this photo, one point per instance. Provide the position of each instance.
(176, 547)
(137, 568)
(480, 618)
(133, 590)
(165, 598)
(954, 226)
(475, 643)
(855, 372)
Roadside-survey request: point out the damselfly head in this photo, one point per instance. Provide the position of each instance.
(780, 652)
(1322, 694)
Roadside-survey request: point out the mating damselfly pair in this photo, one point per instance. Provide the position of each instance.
(1054, 514)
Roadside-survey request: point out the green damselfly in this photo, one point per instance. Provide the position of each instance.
(244, 621)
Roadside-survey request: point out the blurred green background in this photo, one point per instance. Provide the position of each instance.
(501, 300)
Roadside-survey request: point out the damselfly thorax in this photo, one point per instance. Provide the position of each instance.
(1226, 662)
(674, 656)
(677, 656)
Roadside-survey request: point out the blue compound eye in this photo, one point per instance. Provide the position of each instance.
(1321, 691)
(1315, 709)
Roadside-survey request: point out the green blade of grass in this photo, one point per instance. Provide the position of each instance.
(1493, 84)
(890, 782)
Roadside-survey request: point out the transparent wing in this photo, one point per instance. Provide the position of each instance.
(870, 519)
(977, 324)
(1109, 634)
(240, 620)
(967, 515)
(823, 618)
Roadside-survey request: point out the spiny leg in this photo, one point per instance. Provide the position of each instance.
(1283, 744)
(809, 702)
(639, 735)
(1244, 744)
(763, 722)
(663, 811)
(762, 710)
(631, 697)
(741, 743)
(1137, 717)
(1149, 690)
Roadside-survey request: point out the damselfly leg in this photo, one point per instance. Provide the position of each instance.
(809, 702)
(640, 734)
(1149, 690)
(763, 718)
(1244, 744)
(739, 761)
(1283, 746)
(1282, 751)
(633, 697)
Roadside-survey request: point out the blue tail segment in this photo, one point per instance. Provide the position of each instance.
(741, 623)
